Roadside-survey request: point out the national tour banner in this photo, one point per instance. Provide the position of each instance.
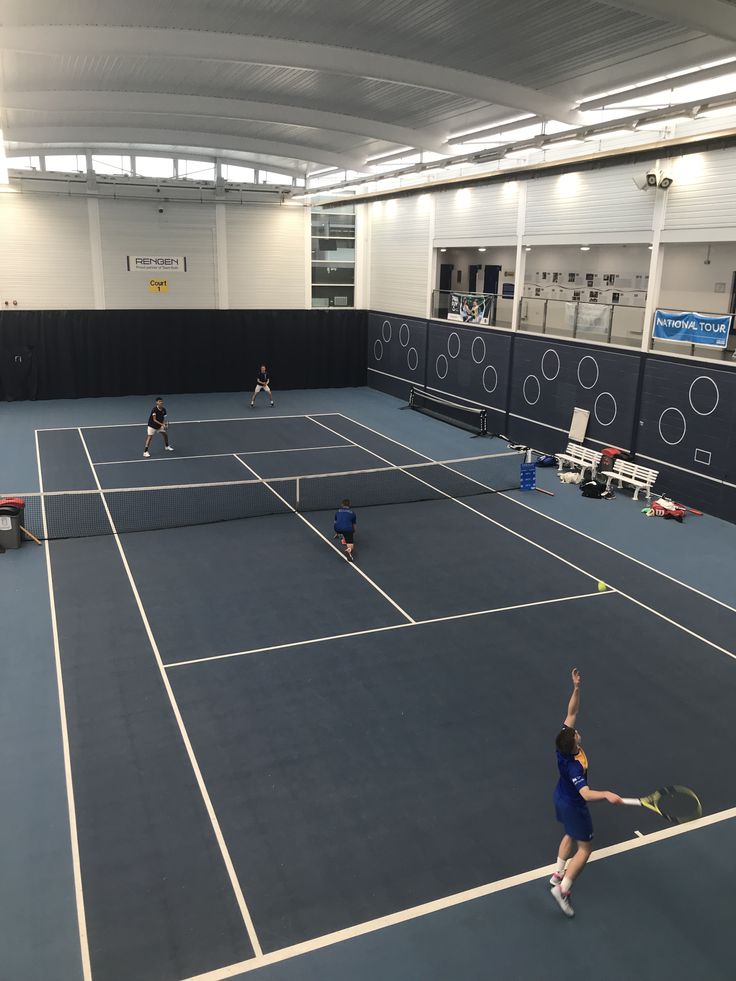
(692, 328)
(156, 263)
(468, 308)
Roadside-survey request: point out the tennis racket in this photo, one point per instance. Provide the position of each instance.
(675, 804)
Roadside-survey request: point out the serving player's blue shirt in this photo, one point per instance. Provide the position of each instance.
(573, 776)
(344, 520)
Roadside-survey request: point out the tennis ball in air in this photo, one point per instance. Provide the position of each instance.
(601, 586)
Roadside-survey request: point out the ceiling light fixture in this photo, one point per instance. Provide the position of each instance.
(585, 248)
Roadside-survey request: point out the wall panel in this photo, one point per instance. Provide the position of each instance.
(471, 364)
(399, 252)
(550, 379)
(136, 227)
(397, 353)
(483, 213)
(45, 256)
(266, 257)
(592, 206)
(703, 195)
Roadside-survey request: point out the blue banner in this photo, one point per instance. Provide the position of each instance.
(693, 328)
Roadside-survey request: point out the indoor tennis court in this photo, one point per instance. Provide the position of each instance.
(270, 746)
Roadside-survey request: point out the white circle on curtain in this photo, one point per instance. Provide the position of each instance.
(492, 387)
(674, 422)
(442, 366)
(386, 330)
(478, 345)
(554, 369)
(605, 408)
(412, 358)
(590, 371)
(404, 335)
(704, 396)
(452, 347)
(377, 349)
(534, 383)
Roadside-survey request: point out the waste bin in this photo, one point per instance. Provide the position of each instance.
(11, 518)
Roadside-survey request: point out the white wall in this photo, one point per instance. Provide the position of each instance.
(45, 258)
(587, 207)
(266, 257)
(55, 255)
(400, 255)
(477, 215)
(136, 227)
(691, 272)
(701, 204)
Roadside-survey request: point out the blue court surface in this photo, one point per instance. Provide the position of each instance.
(230, 752)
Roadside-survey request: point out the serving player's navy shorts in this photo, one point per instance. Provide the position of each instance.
(575, 820)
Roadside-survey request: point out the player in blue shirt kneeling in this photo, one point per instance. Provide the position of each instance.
(571, 797)
(345, 520)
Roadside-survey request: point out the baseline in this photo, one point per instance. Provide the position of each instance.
(425, 909)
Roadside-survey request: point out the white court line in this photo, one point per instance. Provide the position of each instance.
(76, 865)
(549, 552)
(556, 521)
(393, 626)
(187, 422)
(415, 912)
(244, 911)
(209, 456)
(316, 530)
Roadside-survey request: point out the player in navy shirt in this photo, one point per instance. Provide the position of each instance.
(345, 521)
(157, 423)
(262, 382)
(571, 797)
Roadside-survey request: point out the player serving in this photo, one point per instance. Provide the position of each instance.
(262, 382)
(572, 795)
(157, 423)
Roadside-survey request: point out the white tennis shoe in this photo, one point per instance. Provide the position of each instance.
(169, 448)
(146, 453)
(562, 900)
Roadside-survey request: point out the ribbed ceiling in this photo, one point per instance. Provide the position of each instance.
(424, 67)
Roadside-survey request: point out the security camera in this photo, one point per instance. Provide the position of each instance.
(665, 181)
(652, 178)
(641, 182)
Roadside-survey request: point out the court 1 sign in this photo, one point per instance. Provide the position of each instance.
(158, 286)
(692, 328)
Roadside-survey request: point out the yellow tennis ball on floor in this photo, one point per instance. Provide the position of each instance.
(601, 586)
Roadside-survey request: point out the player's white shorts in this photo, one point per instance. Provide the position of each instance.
(152, 432)
(260, 388)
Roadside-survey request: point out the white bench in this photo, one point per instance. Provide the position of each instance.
(579, 457)
(640, 478)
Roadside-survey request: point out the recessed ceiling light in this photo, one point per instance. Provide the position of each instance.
(443, 250)
(527, 248)
(481, 250)
(585, 248)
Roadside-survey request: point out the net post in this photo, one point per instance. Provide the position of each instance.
(297, 493)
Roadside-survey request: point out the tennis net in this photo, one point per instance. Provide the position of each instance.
(469, 417)
(86, 513)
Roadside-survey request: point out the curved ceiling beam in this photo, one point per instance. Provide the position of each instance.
(217, 108)
(131, 135)
(158, 42)
(711, 17)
